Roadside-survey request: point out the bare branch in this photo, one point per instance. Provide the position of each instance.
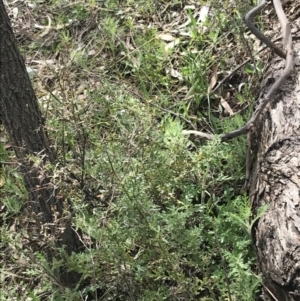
(258, 33)
(197, 133)
(287, 43)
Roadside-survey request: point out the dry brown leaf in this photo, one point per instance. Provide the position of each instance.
(191, 7)
(213, 79)
(226, 106)
(171, 45)
(203, 13)
(174, 73)
(166, 37)
(15, 12)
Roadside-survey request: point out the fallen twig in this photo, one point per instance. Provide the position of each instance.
(198, 133)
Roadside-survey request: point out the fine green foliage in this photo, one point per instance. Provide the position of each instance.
(153, 226)
(159, 213)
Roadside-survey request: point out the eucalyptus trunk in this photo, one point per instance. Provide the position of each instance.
(24, 123)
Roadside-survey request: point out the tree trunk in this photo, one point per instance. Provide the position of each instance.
(24, 123)
(275, 182)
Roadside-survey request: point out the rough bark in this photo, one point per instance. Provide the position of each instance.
(24, 123)
(275, 182)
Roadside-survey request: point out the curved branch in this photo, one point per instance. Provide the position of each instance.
(287, 42)
(258, 33)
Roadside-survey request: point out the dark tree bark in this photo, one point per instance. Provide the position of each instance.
(24, 123)
(275, 182)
